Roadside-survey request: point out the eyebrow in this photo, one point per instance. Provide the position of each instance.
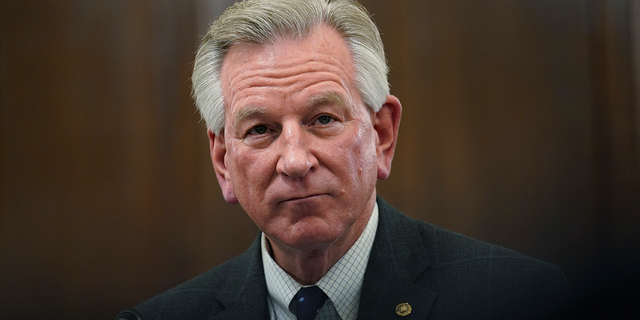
(326, 98)
(249, 112)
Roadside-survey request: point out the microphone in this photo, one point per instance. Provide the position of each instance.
(129, 314)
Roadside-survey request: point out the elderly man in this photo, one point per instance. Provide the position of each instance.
(301, 126)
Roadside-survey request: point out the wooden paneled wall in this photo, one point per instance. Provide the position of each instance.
(520, 127)
(520, 124)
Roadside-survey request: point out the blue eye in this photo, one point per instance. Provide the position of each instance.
(324, 119)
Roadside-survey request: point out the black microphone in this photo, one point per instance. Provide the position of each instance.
(129, 315)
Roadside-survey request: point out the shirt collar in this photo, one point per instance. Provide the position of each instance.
(342, 283)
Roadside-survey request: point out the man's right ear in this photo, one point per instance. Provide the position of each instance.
(218, 157)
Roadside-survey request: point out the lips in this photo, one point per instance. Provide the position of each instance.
(291, 199)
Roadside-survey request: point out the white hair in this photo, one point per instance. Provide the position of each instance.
(263, 21)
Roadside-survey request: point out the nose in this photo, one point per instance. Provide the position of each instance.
(296, 159)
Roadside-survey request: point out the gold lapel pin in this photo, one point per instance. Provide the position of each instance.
(403, 309)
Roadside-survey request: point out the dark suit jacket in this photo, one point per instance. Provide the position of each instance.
(441, 274)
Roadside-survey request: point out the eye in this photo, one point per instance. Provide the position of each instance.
(259, 129)
(324, 119)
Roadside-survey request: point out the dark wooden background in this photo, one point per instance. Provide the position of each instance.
(520, 127)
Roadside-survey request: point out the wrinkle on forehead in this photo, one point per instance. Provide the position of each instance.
(286, 70)
(254, 77)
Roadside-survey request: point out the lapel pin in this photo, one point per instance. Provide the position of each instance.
(403, 309)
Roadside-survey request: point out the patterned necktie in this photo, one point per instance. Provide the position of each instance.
(308, 302)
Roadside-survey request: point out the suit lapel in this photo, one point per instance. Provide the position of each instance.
(247, 300)
(398, 258)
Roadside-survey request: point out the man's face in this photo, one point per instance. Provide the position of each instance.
(299, 150)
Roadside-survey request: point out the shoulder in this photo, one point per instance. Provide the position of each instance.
(482, 277)
(205, 294)
(452, 251)
(471, 263)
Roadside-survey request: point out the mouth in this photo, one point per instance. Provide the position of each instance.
(301, 198)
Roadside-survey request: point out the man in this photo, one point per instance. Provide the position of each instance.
(301, 125)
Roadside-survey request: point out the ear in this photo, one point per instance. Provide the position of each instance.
(218, 155)
(386, 123)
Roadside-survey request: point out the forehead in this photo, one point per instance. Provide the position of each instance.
(321, 40)
(321, 58)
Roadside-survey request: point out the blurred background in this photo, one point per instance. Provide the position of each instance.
(520, 128)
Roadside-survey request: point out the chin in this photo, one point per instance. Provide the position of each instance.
(310, 236)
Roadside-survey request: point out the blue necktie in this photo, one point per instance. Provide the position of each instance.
(308, 301)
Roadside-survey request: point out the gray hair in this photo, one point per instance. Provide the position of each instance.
(263, 21)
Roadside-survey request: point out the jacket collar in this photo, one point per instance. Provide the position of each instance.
(398, 258)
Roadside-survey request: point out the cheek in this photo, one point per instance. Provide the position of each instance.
(367, 142)
(250, 171)
(239, 164)
(361, 154)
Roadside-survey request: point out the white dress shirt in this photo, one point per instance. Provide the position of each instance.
(342, 283)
